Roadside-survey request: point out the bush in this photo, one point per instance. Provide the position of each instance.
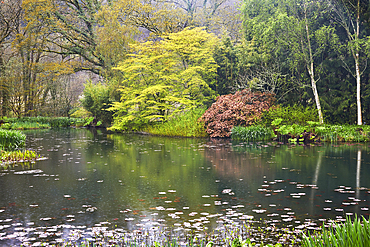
(243, 108)
(251, 133)
(186, 124)
(97, 99)
(11, 139)
(290, 115)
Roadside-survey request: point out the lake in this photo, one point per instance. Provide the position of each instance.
(96, 182)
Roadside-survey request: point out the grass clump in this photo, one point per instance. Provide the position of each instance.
(354, 234)
(7, 157)
(11, 139)
(184, 125)
(40, 122)
(251, 133)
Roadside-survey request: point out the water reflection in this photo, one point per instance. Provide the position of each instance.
(94, 179)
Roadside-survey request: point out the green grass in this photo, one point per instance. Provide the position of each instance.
(184, 125)
(251, 133)
(354, 234)
(11, 139)
(41, 122)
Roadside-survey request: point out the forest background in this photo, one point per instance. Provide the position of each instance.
(131, 63)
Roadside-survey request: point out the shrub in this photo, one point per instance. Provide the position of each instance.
(186, 124)
(290, 115)
(11, 139)
(243, 108)
(97, 99)
(251, 133)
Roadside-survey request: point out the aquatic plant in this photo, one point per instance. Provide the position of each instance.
(39, 122)
(11, 139)
(7, 157)
(354, 234)
(185, 124)
(251, 133)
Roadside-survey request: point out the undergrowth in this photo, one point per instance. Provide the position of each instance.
(184, 125)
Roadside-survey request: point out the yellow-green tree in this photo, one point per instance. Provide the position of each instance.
(164, 77)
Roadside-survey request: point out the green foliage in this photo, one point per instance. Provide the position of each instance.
(347, 133)
(185, 124)
(7, 157)
(356, 234)
(165, 77)
(39, 122)
(243, 108)
(97, 99)
(289, 115)
(251, 133)
(11, 139)
(80, 113)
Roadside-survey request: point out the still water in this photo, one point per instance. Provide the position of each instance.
(94, 181)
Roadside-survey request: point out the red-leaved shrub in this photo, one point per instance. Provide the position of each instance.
(240, 109)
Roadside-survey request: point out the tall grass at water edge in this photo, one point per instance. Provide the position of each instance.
(41, 122)
(348, 234)
(11, 139)
(251, 133)
(185, 125)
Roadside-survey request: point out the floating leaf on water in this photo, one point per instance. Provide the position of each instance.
(129, 219)
(67, 196)
(185, 208)
(218, 203)
(100, 181)
(170, 209)
(162, 193)
(226, 191)
(328, 201)
(327, 209)
(205, 196)
(272, 205)
(206, 205)
(259, 211)
(172, 191)
(364, 209)
(33, 206)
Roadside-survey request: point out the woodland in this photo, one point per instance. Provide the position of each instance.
(131, 63)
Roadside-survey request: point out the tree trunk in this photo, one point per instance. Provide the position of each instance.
(357, 63)
(311, 71)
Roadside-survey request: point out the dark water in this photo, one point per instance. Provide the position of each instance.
(94, 181)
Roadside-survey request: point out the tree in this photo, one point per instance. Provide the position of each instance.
(166, 76)
(10, 16)
(349, 15)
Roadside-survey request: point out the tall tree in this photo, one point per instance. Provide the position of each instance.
(350, 16)
(10, 17)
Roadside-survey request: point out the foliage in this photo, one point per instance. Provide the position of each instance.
(243, 108)
(97, 99)
(80, 112)
(7, 157)
(251, 133)
(289, 115)
(185, 124)
(165, 77)
(39, 122)
(11, 139)
(356, 233)
(346, 133)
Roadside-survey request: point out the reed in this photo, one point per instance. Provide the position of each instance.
(251, 133)
(351, 233)
(11, 139)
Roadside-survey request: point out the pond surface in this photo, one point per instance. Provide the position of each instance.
(94, 181)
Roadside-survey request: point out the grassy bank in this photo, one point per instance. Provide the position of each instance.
(25, 123)
(312, 131)
(185, 125)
